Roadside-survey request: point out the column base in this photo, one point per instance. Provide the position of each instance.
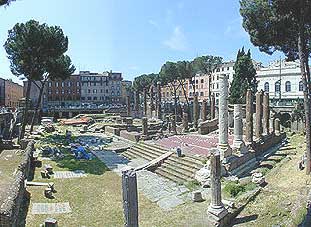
(225, 152)
(240, 147)
(217, 213)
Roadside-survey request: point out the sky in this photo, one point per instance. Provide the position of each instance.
(135, 36)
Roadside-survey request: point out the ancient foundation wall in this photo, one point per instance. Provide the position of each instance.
(10, 207)
(112, 130)
(132, 136)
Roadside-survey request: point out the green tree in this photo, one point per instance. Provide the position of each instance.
(36, 52)
(169, 76)
(283, 25)
(5, 2)
(244, 78)
(185, 72)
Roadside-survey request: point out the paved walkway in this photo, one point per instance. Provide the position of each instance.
(167, 194)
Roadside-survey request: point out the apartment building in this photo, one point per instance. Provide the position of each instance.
(10, 93)
(202, 84)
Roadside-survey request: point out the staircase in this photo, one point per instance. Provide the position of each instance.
(177, 169)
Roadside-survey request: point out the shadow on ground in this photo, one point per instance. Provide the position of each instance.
(245, 219)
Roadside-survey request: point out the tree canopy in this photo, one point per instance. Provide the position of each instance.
(5, 2)
(206, 64)
(145, 81)
(244, 78)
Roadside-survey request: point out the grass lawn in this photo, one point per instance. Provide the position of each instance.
(282, 202)
(96, 200)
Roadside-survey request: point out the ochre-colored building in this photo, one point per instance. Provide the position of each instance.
(13, 92)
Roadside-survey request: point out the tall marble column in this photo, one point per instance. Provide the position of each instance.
(277, 126)
(145, 101)
(195, 111)
(223, 142)
(144, 126)
(128, 105)
(137, 101)
(249, 118)
(258, 130)
(151, 105)
(266, 114)
(185, 121)
(213, 106)
(238, 128)
(159, 110)
(216, 208)
(204, 110)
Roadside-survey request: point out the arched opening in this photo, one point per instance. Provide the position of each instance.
(288, 86)
(266, 87)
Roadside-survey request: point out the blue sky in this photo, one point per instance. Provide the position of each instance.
(135, 36)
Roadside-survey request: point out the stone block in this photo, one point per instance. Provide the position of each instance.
(208, 126)
(112, 130)
(132, 136)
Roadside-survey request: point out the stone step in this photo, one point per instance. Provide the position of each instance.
(128, 155)
(137, 154)
(157, 148)
(190, 156)
(182, 166)
(185, 161)
(145, 152)
(177, 170)
(150, 150)
(168, 175)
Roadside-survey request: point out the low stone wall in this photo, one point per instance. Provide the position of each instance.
(112, 130)
(208, 126)
(267, 142)
(9, 208)
(132, 136)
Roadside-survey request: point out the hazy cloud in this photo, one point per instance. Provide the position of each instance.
(154, 23)
(177, 40)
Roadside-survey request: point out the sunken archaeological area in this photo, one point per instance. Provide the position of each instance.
(143, 162)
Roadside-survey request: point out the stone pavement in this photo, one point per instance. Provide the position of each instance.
(50, 208)
(167, 194)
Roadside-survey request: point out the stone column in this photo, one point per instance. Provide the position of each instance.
(238, 128)
(195, 111)
(266, 114)
(144, 126)
(216, 208)
(159, 111)
(128, 105)
(223, 143)
(173, 121)
(213, 103)
(258, 130)
(204, 110)
(70, 114)
(277, 126)
(145, 102)
(136, 101)
(185, 122)
(249, 117)
(151, 100)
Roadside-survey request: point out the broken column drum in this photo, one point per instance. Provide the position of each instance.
(216, 206)
(249, 117)
(258, 131)
(266, 114)
(223, 143)
(145, 126)
(238, 126)
(204, 110)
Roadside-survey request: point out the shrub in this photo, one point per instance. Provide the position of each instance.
(233, 188)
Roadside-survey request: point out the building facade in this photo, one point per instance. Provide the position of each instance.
(168, 92)
(282, 80)
(13, 93)
(202, 84)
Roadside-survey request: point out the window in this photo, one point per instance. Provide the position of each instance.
(223, 69)
(63, 84)
(63, 92)
(89, 98)
(228, 68)
(56, 84)
(300, 86)
(94, 98)
(94, 91)
(69, 83)
(89, 91)
(202, 81)
(277, 86)
(266, 87)
(287, 86)
(190, 94)
(201, 94)
(78, 83)
(50, 84)
(56, 91)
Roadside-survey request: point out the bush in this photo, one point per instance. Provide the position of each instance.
(234, 188)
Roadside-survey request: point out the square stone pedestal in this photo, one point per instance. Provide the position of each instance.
(225, 152)
(217, 216)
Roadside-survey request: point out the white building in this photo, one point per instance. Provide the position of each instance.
(283, 82)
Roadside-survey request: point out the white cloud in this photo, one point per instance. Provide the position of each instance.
(177, 40)
(154, 23)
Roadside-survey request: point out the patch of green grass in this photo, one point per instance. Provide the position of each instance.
(192, 185)
(264, 170)
(300, 216)
(233, 189)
